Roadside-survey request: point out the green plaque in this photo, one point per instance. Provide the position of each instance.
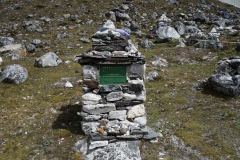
(113, 74)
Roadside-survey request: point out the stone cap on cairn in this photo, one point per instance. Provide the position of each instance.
(111, 45)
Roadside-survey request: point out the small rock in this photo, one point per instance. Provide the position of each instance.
(68, 85)
(85, 40)
(36, 42)
(49, 59)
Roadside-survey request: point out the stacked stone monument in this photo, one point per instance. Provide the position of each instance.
(113, 87)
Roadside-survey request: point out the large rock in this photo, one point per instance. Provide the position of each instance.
(14, 49)
(120, 150)
(153, 75)
(121, 16)
(226, 77)
(49, 59)
(159, 62)
(225, 84)
(31, 48)
(166, 32)
(146, 43)
(14, 74)
(1, 60)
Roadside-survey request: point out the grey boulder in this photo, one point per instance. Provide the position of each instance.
(14, 73)
(49, 59)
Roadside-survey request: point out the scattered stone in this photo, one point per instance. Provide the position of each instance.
(200, 17)
(14, 74)
(68, 85)
(49, 59)
(159, 62)
(146, 43)
(153, 75)
(1, 60)
(14, 49)
(134, 26)
(165, 33)
(31, 48)
(32, 25)
(111, 16)
(66, 16)
(6, 41)
(85, 40)
(120, 16)
(45, 19)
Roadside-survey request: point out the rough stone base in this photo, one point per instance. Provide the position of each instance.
(119, 150)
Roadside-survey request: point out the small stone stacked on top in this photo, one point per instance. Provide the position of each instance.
(113, 111)
(111, 42)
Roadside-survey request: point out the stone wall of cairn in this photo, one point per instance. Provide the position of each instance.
(113, 111)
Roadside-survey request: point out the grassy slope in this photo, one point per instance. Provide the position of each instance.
(39, 121)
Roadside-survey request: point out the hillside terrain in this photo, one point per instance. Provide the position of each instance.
(39, 118)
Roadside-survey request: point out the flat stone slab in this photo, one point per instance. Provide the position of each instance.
(120, 115)
(99, 108)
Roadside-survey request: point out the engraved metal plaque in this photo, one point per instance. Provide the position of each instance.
(113, 74)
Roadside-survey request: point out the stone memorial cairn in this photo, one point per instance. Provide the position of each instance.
(113, 87)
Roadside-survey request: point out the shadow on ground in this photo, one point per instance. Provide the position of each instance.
(69, 119)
